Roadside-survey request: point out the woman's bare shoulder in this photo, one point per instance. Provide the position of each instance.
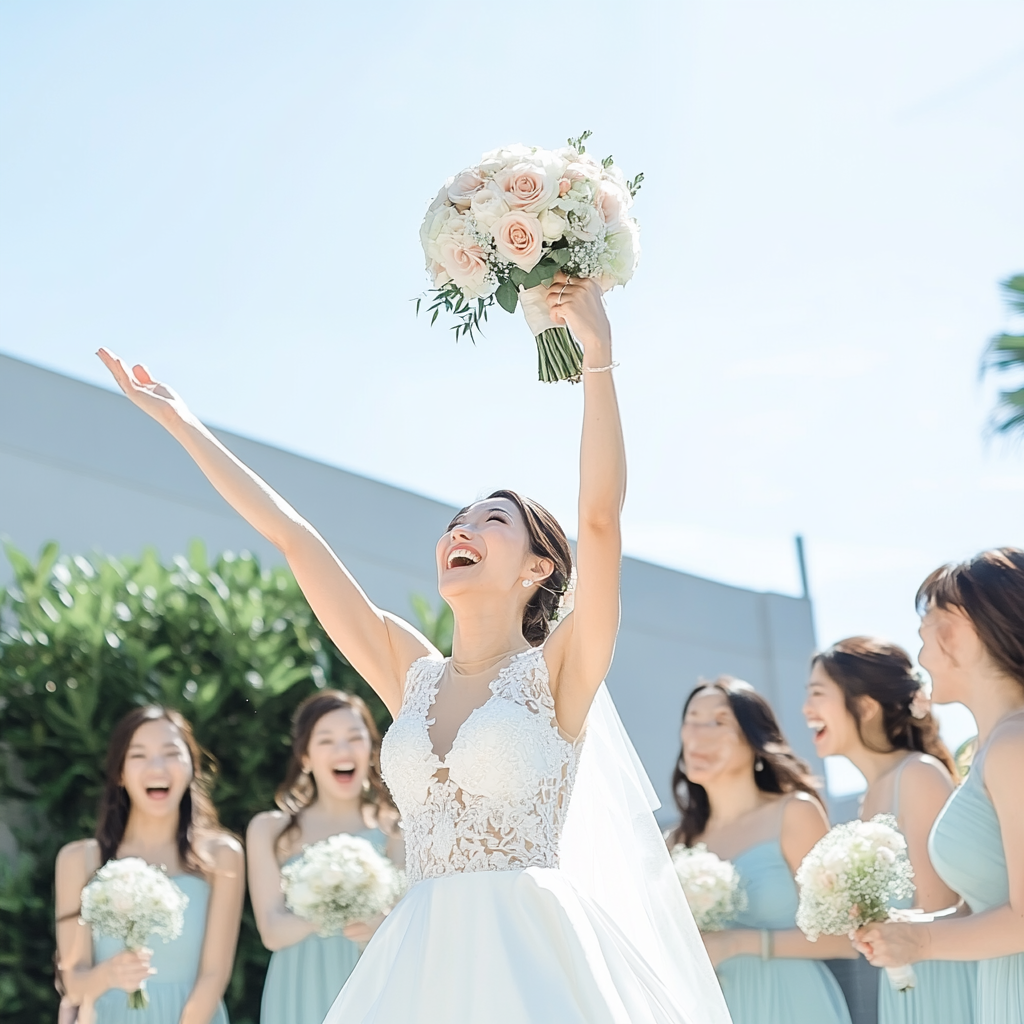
(266, 825)
(80, 857)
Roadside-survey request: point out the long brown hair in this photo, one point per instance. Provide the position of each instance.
(863, 666)
(781, 770)
(989, 589)
(547, 540)
(298, 790)
(197, 817)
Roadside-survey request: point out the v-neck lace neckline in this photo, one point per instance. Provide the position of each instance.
(435, 686)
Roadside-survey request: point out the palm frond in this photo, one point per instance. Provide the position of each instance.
(1005, 354)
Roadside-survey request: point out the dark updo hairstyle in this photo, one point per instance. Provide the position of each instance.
(298, 790)
(547, 540)
(989, 590)
(197, 817)
(781, 771)
(863, 666)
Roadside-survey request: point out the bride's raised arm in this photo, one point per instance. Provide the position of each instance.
(379, 645)
(581, 647)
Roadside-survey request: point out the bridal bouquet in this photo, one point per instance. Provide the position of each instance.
(131, 900)
(852, 877)
(501, 230)
(338, 881)
(711, 886)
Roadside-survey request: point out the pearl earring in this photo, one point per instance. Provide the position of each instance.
(759, 765)
(527, 583)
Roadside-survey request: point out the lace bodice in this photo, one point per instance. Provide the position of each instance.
(498, 800)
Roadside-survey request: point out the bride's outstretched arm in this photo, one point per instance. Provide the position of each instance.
(582, 646)
(380, 646)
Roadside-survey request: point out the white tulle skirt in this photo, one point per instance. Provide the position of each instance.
(505, 947)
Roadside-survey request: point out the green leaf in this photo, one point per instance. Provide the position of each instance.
(507, 296)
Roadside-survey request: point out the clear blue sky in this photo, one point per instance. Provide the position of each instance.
(232, 192)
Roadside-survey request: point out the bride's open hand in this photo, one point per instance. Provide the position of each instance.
(578, 303)
(152, 397)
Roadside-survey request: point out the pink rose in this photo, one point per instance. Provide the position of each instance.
(518, 238)
(463, 187)
(528, 187)
(563, 186)
(610, 203)
(466, 262)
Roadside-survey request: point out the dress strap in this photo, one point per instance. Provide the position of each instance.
(897, 777)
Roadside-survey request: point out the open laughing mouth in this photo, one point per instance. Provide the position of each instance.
(344, 773)
(817, 727)
(460, 557)
(158, 792)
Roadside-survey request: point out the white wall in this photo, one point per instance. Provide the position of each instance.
(80, 466)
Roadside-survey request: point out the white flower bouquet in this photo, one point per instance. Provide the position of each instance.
(852, 877)
(131, 900)
(711, 886)
(500, 231)
(338, 881)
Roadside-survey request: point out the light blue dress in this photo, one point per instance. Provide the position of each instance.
(777, 991)
(303, 980)
(966, 847)
(176, 963)
(945, 989)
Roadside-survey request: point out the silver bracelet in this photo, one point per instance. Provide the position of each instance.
(600, 369)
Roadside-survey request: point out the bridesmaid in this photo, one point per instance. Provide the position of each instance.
(972, 633)
(865, 702)
(742, 791)
(154, 806)
(332, 785)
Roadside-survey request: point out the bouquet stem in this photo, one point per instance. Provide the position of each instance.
(902, 978)
(138, 1000)
(559, 356)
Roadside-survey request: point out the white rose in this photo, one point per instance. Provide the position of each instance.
(553, 224)
(444, 220)
(488, 206)
(586, 224)
(622, 255)
(497, 159)
(464, 186)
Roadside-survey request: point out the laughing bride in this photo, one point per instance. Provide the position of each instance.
(540, 889)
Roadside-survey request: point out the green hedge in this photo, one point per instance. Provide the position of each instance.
(234, 647)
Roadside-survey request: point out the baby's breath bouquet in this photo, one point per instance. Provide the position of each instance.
(852, 877)
(499, 232)
(131, 900)
(711, 886)
(338, 881)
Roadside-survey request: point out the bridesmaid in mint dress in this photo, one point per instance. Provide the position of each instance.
(743, 793)
(865, 702)
(972, 628)
(332, 785)
(153, 778)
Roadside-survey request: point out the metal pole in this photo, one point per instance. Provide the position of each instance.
(802, 562)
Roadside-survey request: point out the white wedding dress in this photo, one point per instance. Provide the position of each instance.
(526, 901)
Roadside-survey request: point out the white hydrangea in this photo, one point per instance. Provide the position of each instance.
(338, 881)
(712, 886)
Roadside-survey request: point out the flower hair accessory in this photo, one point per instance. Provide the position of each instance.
(921, 703)
(565, 601)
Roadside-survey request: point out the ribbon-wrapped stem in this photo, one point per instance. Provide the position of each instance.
(559, 355)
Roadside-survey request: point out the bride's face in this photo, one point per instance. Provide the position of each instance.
(714, 745)
(487, 548)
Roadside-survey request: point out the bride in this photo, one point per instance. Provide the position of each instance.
(539, 887)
